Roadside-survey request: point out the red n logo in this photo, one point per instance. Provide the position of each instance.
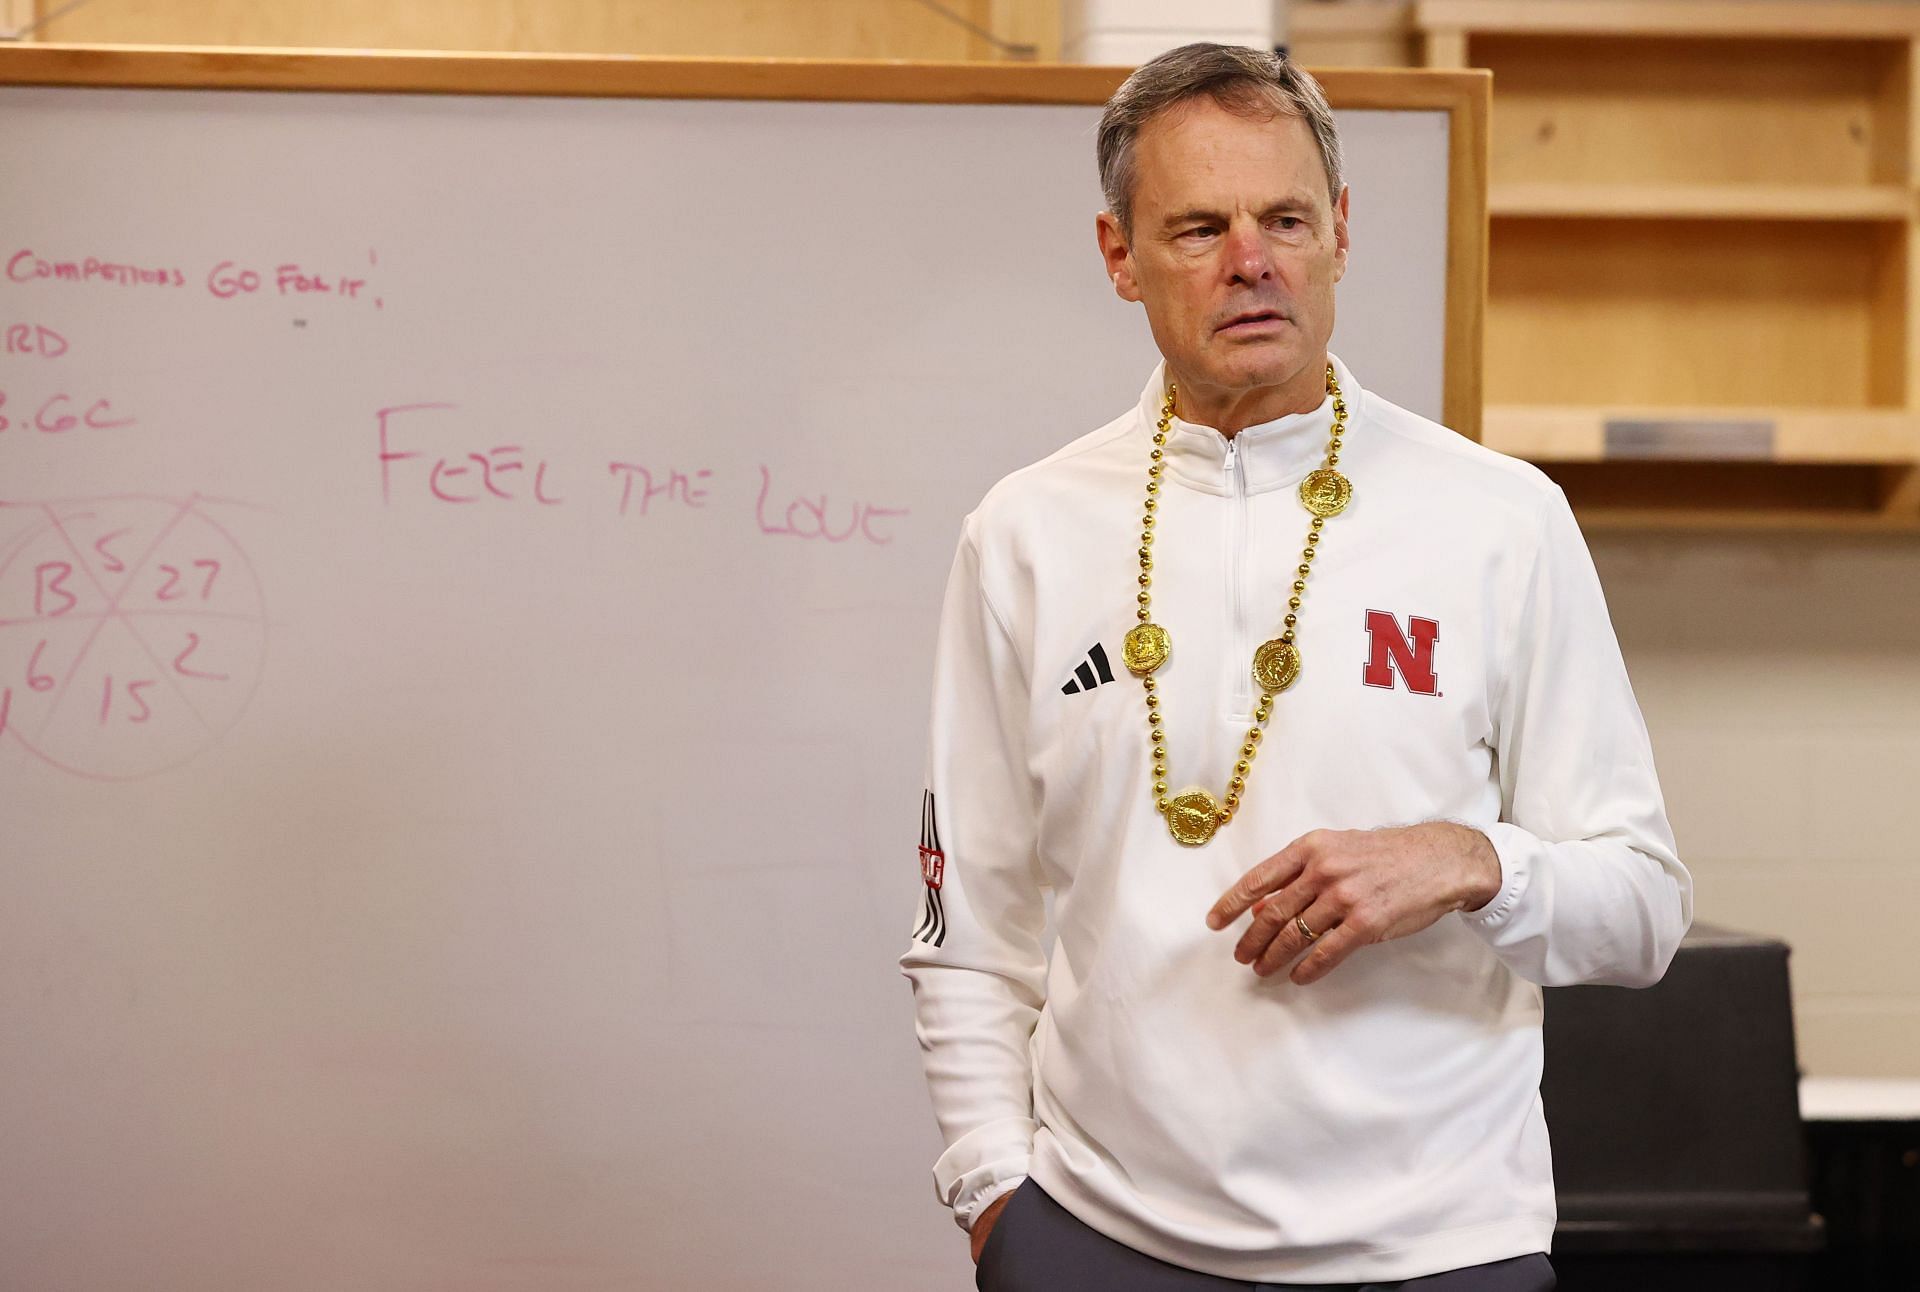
(1390, 650)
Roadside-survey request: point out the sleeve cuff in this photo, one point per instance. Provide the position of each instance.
(987, 1199)
(983, 1164)
(1514, 847)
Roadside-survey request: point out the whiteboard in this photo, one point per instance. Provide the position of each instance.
(468, 573)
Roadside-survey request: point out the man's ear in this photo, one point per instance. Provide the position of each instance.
(1117, 255)
(1342, 243)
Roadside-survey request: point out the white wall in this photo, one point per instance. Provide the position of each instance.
(1780, 678)
(1129, 32)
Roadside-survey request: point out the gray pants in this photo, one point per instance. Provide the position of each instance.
(1037, 1245)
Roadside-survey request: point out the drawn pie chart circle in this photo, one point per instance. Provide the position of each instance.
(133, 632)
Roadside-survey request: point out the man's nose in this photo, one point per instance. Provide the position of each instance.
(1248, 255)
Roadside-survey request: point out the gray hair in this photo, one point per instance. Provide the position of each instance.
(1248, 82)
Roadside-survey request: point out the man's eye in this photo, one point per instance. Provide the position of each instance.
(1288, 221)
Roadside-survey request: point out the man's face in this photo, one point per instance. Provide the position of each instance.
(1231, 217)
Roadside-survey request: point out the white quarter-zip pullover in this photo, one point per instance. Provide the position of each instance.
(1458, 663)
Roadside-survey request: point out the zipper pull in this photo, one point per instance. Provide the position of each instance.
(1232, 445)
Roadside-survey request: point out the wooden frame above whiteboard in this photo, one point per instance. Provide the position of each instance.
(1464, 95)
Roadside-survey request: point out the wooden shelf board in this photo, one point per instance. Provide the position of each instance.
(1866, 202)
(1740, 495)
(1612, 517)
(1839, 19)
(1810, 436)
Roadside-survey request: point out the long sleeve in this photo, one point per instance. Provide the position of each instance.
(976, 962)
(1592, 890)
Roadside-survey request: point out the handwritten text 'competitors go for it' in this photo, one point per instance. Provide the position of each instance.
(226, 280)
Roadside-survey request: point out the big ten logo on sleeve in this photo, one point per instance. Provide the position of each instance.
(132, 631)
(932, 925)
(1391, 652)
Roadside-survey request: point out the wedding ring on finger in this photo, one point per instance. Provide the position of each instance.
(1299, 922)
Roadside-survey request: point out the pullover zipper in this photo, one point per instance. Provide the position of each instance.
(1236, 568)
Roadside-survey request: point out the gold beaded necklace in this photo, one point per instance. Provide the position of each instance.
(1194, 814)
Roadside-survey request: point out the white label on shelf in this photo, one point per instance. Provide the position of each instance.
(1705, 438)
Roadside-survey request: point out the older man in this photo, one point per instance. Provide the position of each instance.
(1267, 646)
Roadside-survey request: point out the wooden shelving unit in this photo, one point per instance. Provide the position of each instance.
(1862, 202)
(1703, 302)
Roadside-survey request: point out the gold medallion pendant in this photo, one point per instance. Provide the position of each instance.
(1146, 648)
(1193, 816)
(1275, 665)
(1326, 492)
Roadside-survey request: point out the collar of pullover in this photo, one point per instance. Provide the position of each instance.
(1270, 455)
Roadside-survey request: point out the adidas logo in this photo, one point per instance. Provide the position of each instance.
(1084, 675)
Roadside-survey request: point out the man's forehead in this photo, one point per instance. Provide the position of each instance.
(1225, 161)
(1191, 119)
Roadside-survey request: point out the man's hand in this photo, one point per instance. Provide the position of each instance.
(984, 1224)
(1355, 888)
